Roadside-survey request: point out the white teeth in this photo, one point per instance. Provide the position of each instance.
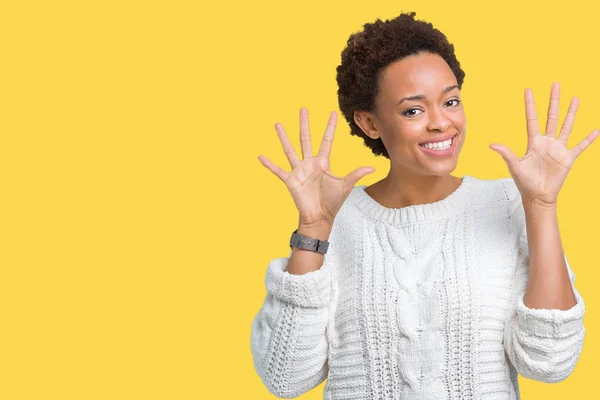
(439, 145)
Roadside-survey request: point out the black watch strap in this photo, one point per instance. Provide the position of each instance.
(306, 243)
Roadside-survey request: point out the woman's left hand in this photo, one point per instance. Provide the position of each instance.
(540, 174)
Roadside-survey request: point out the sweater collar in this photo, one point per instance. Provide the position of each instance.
(416, 213)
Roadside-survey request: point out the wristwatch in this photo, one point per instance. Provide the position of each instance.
(306, 243)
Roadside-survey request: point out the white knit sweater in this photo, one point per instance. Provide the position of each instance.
(420, 302)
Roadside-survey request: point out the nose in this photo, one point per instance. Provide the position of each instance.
(438, 121)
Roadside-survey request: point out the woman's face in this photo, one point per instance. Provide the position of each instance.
(419, 102)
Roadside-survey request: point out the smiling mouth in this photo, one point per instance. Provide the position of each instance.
(430, 147)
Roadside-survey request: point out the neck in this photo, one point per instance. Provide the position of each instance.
(398, 191)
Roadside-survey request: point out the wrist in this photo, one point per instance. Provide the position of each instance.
(316, 231)
(539, 206)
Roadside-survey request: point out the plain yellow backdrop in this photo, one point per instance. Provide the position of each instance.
(137, 223)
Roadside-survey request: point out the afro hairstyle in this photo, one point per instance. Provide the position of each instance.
(370, 51)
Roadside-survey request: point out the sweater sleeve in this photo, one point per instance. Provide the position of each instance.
(542, 344)
(289, 334)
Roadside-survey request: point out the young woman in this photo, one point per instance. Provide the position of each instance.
(433, 286)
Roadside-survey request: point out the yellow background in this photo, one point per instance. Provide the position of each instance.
(137, 223)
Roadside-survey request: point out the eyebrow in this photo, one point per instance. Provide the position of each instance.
(422, 97)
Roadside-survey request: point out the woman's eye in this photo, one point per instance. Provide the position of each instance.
(411, 112)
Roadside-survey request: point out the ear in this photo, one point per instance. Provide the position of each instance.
(366, 122)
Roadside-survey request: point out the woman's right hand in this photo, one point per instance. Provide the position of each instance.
(317, 193)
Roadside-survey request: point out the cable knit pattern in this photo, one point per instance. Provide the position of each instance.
(421, 302)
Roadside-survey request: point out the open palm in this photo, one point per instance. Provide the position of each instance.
(317, 193)
(540, 174)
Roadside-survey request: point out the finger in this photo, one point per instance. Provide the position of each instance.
(507, 154)
(288, 149)
(567, 125)
(327, 142)
(531, 116)
(305, 134)
(281, 174)
(553, 110)
(581, 146)
(356, 175)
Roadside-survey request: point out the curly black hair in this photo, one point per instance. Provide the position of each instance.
(370, 51)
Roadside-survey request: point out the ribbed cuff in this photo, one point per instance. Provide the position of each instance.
(552, 323)
(312, 289)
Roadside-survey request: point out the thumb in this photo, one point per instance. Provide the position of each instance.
(509, 157)
(356, 175)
